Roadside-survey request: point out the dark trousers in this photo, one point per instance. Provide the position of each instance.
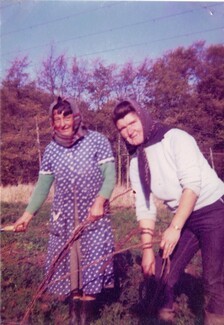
(204, 230)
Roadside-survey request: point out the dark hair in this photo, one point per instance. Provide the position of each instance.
(122, 109)
(62, 106)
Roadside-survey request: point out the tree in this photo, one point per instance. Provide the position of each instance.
(210, 90)
(78, 80)
(52, 76)
(100, 84)
(124, 82)
(20, 106)
(17, 76)
(184, 88)
(169, 87)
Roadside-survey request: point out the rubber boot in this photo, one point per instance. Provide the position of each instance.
(74, 312)
(88, 311)
(213, 319)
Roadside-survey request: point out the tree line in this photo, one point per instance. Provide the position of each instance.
(183, 88)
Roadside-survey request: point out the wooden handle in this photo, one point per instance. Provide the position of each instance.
(8, 228)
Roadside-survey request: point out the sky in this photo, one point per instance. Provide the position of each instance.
(115, 31)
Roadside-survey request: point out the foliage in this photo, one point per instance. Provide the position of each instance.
(53, 73)
(22, 110)
(184, 88)
(23, 257)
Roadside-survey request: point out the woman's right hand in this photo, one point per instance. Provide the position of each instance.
(22, 223)
(148, 262)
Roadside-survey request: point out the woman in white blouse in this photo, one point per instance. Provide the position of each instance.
(167, 164)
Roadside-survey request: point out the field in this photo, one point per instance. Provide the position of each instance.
(23, 257)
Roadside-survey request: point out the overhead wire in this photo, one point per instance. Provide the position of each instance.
(154, 41)
(145, 43)
(126, 26)
(59, 19)
(10, 5)
(106, 30)
(107, 6)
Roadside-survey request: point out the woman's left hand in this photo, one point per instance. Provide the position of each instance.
(169, 240)
(97, 209)
(172, 234)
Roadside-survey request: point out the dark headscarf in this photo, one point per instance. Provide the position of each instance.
(79, 130)
(153, 132)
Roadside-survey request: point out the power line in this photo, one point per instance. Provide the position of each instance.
(59, 19)
(106, 30)
(102, 32)
(107, 6)
(153, 41)
(149, 42)
(10, 5)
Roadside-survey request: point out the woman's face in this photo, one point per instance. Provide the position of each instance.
(131, 129)
(63, 124)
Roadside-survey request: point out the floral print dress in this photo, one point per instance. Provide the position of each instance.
(78, 179)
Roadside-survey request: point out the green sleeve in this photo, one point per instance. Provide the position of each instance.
(109, 175)
(40, 192)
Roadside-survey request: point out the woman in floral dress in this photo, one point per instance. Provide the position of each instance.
(80, 162)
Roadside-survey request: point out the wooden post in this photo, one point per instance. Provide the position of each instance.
(211, 157)
(127, 171)
(38, 141)
(119, 160)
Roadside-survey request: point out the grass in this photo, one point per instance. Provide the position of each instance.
(19, 193)
(23, 258)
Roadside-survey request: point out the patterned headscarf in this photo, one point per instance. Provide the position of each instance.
(153, 132)
(79, 130)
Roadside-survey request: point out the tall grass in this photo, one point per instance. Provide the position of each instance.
(21, 193)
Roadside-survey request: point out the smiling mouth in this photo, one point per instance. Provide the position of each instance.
(65, 131)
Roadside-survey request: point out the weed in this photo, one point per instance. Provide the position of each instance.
(23, 257)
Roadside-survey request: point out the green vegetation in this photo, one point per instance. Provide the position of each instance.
(183, 88)
(23, 257)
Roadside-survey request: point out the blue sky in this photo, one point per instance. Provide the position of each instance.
(115, 31)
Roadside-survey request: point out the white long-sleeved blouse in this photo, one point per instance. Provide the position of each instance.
(176, 163)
